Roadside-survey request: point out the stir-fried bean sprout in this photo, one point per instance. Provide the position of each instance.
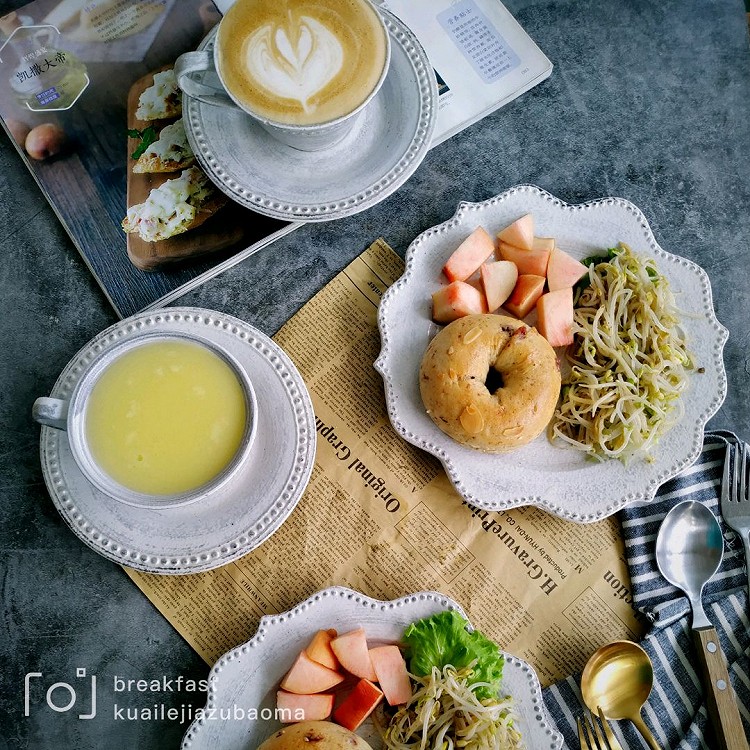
(628, 361)
(444, 713)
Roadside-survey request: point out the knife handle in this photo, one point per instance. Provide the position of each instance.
(721, 701)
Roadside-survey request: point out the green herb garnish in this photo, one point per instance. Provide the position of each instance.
(146, 136)
(584, 282)
(612, 252)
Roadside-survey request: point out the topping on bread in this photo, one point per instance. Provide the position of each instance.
(162, 100)
(171, 152)
(174, 207)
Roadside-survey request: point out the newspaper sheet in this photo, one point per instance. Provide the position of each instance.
(380, 516)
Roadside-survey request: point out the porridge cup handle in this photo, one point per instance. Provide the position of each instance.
(52, 412)
(209, 90)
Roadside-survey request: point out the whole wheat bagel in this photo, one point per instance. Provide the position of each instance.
(490, 382)
(314, 735)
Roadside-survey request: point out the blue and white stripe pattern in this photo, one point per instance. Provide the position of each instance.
(675, 711)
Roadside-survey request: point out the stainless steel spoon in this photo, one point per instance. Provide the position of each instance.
(689, 548)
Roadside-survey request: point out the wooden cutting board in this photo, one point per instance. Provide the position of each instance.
(222, 230)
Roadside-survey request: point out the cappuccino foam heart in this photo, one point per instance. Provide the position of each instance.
(301, 62)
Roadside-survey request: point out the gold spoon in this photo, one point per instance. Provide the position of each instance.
(618, 679)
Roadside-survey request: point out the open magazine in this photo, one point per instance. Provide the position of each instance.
(482, 57)
(78, 67)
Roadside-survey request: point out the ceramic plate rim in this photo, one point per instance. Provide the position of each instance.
(242, 542)
(432, 440)
(358, 602)
(367, 195)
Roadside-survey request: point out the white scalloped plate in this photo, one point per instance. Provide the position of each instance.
(248, 676)
(228, 522)
(557, 478)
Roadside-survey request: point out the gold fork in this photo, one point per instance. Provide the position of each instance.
(590, 734)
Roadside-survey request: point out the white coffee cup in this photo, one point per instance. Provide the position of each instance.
(70, 415)
(303, 69)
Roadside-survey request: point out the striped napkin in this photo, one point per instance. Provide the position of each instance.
(675, 711)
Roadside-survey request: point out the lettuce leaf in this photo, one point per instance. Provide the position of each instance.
(443, 639)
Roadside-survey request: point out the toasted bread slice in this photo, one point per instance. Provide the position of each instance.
(171, 152)
(162, 100)
(176, 206)
(206, 210)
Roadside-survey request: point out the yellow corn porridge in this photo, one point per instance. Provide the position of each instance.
(165, 417)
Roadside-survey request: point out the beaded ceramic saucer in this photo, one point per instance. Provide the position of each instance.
(386, 145)
(227, 523)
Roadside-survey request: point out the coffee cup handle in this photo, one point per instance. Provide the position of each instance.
(200, 62)
(52, 412)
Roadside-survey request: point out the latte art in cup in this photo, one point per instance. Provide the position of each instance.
(295, 63)
(301, 62)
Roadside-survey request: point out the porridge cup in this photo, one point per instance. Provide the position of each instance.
(157, 421)
(303, 69)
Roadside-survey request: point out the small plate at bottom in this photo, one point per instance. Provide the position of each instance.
(242, 685)
(226, 524)
(387, 143)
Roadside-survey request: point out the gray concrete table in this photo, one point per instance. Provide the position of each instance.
(648, 101)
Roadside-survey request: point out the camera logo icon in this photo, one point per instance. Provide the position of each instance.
(62, 697)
